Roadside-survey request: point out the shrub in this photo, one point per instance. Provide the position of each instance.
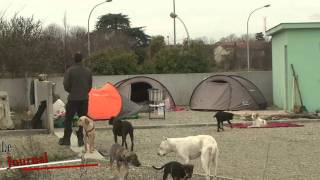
(194, 58)
(113, 62)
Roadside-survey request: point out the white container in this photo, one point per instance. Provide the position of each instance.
(160, 111)
(155, 95)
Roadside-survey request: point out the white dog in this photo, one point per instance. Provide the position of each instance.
(88, 133)
(257, 121)
(192, 147)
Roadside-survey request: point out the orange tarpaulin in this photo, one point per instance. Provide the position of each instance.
(104, 103)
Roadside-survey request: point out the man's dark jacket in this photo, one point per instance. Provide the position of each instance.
(77, 82)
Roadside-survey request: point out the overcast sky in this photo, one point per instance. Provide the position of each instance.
(204, 18)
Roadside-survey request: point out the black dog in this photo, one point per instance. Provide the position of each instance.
(223, 116)
(122, 128)
(177, 170)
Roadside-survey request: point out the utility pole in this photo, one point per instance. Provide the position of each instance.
(174, 23)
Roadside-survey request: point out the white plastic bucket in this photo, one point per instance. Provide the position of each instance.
(155, 94)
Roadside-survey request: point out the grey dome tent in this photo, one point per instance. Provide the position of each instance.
(136, 89)
(128, 108)
(227, 92)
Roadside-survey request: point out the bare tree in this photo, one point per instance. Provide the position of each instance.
(55, 31)
(18, 44)
(77, 40)
(230, 38)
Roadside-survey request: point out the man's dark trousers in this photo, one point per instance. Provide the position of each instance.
(73, 107)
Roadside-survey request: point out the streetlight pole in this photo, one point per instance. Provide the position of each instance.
(173, 15)
(89, 53)
(174, 23)
(248, 46)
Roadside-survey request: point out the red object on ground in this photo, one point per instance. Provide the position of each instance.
(269, 125)
(104, 103)
(178, 108)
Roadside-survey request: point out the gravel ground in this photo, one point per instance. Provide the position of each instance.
(101, 173)
(184, 117)
(253, 154)
(277, 153)
(189, 117)
(31, 146)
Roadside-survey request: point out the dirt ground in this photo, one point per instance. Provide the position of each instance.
(251, 154)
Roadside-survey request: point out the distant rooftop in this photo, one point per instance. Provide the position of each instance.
(285, 26)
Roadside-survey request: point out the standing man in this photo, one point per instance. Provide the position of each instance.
(77, 82)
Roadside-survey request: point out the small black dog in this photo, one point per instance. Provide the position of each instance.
(122, 128)
(177, 170)
(223, 116)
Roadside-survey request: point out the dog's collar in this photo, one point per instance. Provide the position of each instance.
(89, 130)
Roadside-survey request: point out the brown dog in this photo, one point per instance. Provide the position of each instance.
(88, 132)
(123, 158)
